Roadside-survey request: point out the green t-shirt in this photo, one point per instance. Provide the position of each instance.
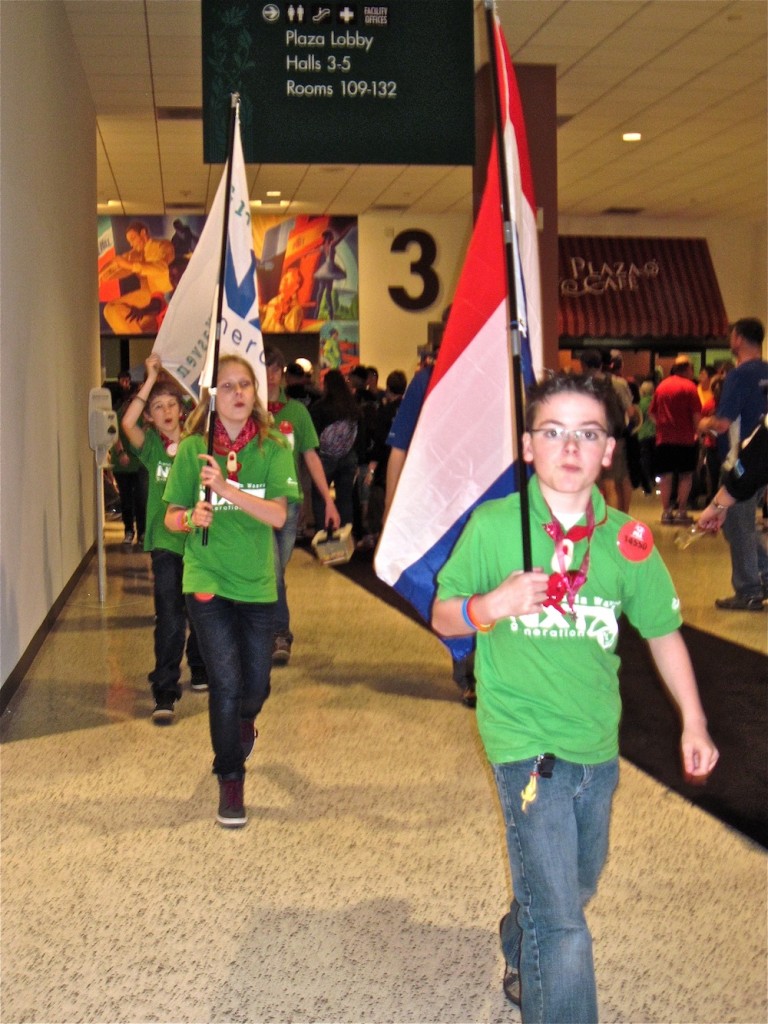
(238, 560)
(647, 428)
(546, 683)
(294, 423)
(154, 456)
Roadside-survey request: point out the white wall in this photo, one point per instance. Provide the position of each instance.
(389, 335)
(48, 317)
(738, 250)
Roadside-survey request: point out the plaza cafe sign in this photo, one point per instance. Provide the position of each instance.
(612, 287)
(586, 278)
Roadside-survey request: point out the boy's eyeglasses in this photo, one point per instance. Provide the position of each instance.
(581, 435)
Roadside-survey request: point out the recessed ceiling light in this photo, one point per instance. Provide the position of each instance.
(113, 202)
(631, 136)
(274, 195)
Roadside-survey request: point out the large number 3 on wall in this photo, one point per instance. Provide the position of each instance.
(421, 267)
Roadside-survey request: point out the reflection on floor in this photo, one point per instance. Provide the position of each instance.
(368, 883)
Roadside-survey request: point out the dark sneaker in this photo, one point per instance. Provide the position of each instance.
(511, 980)
(128, 538)
(164, 711)
(198, 682)
(511, 984)
(739, 604)
(667, 518)
(281, 650)
(683, 519)
(248, 736)
(231, 812)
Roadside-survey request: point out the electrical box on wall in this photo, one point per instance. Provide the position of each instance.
(102, 423)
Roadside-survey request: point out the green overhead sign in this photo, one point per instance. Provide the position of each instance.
(340, 82)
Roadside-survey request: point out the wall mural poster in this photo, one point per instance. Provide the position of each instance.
(308, 275)
(141, 261)
(339, 347)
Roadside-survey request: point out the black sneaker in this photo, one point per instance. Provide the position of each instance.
(511, 984)
(281, 650)
(511, 980)
(164, 711)
(198, 682)
(739, 604)
(248, 736)
(231, 812)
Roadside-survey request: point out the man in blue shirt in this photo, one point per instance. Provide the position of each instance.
(741, 407)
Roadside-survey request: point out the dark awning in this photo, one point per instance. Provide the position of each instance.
(638, 288)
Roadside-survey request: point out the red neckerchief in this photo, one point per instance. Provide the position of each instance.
(274, 407)
(171, 447)
(223, 445)
(566, 584)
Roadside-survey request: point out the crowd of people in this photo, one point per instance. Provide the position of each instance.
(685, 435)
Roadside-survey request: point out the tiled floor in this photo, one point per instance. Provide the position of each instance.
(368, 883)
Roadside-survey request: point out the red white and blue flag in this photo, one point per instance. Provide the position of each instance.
(463, 450)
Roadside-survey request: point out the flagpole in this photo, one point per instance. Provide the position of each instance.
(514, 343)
(235, 107)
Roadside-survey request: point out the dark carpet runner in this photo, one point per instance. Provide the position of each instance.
(733, 683)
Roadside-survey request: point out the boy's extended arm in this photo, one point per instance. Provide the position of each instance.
(674, 665)
(133, 414)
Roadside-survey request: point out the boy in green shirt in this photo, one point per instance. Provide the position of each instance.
(292, 421)
(548, 701)
(160, 399)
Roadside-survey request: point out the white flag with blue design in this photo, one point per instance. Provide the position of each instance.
(185, 341)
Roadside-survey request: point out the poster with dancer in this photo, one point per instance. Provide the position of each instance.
(308, 274)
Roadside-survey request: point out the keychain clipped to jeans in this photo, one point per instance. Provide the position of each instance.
(544, 766)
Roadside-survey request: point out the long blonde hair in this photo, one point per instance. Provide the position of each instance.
(198, 420)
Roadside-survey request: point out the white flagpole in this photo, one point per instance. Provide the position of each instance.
(518, 396)
(220, 293)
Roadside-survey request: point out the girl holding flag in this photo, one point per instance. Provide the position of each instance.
(229, 576)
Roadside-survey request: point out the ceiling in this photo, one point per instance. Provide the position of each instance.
(690, 75)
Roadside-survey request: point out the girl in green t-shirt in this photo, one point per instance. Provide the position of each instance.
(229, 580)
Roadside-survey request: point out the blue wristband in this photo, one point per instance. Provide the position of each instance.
(465, 615)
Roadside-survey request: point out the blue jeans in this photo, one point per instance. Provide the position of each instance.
(285, 541)
(749, 562)
(557, 848)
(171, 627)
(236, 641)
